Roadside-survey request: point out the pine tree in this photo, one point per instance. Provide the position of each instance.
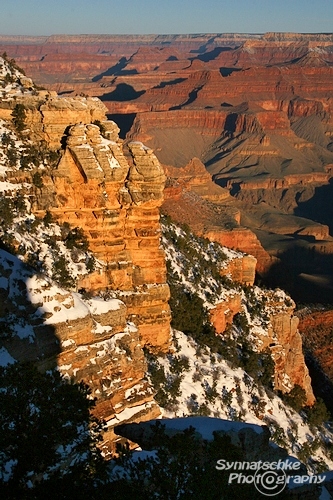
(47, 435)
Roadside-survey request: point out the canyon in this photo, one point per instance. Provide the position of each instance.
(256, 110)
(114, 188)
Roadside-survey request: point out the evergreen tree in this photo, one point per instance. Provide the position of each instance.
(47, 435)
(19, 116)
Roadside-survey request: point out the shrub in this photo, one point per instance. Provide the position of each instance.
(203, 410)
(183, 467)
(296, 398)
(48, 436)
(226, 396)
(6, 212)
(12, 157)
(240, 321)
(48, 218)
(76, 239)
(179, 364)
(19, 204)
(90, 264)
(37, 180)
(61, 274)
(192, 404)
(210, 391)
(7, 141)
(187, 309)
(19, 116)
(278, 435)
(317, 414)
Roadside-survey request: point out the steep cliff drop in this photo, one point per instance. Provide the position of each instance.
(114, 194)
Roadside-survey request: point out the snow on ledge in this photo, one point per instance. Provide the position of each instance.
(98, 305)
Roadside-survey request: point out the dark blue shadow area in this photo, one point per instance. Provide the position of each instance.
(123, 92)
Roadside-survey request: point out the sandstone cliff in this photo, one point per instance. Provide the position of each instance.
(255, 109)
(192, 197)
(115, 199)
(113, 194)
(285, 342)
(280, 336)
(240, 312)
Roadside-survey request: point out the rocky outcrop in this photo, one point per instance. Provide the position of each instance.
(194, 177)
(114, 195)
(281, 337)
(85, 339)
(48, 116)
(223, 313)
(285, 343)
(246, 241)
(241, 269)
(191, 197)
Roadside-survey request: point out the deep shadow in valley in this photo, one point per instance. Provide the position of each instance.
(123, 92)
(117, 69)
(162, 85)
(211, 55)
(322, 386)
(124, 122)
(320, 207)
(305, 273)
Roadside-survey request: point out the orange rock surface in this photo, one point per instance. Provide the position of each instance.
(115, 199)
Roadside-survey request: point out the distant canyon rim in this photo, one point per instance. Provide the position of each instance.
(242, 124)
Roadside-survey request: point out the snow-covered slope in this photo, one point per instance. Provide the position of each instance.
(196, 381)
(209, 374)
(12, 80)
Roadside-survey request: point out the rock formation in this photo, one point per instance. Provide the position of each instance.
(115, 199)
(113, 194)
(192, 197)
(282, 338)
(113, 191)
(285, 343)
(246, 241)
(86, 339)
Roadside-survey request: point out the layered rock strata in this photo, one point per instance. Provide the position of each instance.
(281, 337)
(114, 195)
(85, 339)
(245, 240)
(285, 342)
(48, 117)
